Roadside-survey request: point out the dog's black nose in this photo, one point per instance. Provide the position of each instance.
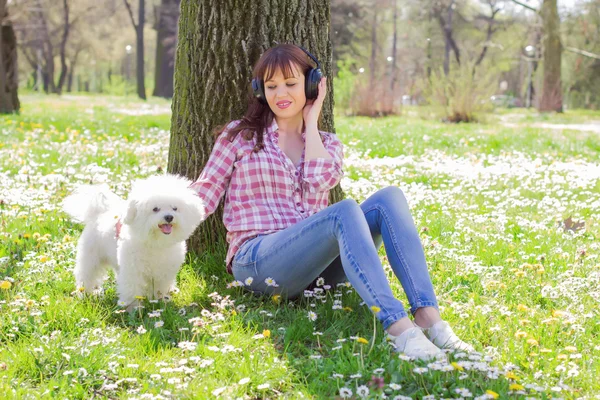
(168, 218)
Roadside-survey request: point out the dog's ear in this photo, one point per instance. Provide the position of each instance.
(131, 212)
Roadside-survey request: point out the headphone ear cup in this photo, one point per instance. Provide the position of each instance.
(312, 83)
(258, 90)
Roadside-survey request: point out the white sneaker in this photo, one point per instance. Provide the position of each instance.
(444, 337)
(413, 343)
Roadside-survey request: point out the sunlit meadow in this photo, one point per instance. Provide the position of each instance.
(508, 211)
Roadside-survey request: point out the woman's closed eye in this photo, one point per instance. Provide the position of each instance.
(288, 84)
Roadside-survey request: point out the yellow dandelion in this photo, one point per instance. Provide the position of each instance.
(457, 366)
(571, 349)
(26, 236)
(516, 386)
(562, 357)
(524, 322)
(43, 259)
(362, 340)
(267, 333)
(276, 298)
(347, 309)
(540, 270)
(532, 342)
(520, 274)
(511, 375)
(5, 285)
(545, 350)
(520, 334)
(558, 313)
(492, 393)
(375, 309)
(491, 284)
(140, 297)
(522, 307)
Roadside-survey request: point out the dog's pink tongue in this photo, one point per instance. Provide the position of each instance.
(166, 228)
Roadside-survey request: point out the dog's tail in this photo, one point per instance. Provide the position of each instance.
(88, 202)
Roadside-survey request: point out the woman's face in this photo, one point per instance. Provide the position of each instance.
(286, 97)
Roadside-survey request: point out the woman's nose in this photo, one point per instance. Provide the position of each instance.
(282, 91)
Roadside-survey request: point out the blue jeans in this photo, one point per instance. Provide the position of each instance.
(340, 243)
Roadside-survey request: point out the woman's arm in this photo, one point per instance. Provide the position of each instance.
(314, 145)
(214, 178)
(324, 173)
(322, 158)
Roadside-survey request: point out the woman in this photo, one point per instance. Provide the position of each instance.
(276, 169)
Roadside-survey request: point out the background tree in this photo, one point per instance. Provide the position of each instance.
(139, 34)
(212, 77)
(9, 101)
(167, 16)
(552, 90)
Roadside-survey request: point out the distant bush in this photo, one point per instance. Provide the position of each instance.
(461, 94)
(354, 95)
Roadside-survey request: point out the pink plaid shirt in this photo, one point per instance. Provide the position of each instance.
(265, 192)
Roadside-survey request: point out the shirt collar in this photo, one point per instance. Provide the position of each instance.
(274, 128)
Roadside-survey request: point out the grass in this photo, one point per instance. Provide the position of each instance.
(489, 201)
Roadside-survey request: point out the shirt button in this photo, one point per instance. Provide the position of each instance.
(298, 204)
(296, 173)
(302, 211)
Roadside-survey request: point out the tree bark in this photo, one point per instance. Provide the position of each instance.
(9, 101)
(552, 90)
(72, 65)
(47, 50)
(166, 42)
(64, 69)
(141, 85)
(219, 42)
(450, 43)
(394, 48)
(373, 61)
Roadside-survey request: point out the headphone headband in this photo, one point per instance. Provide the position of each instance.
(311, 56)
(311, 82)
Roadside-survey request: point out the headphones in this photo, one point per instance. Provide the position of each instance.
(311, 82)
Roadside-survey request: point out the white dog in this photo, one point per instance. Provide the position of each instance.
(142, 239)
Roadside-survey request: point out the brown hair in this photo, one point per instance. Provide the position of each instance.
(259, 116)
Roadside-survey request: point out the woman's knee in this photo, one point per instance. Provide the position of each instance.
(392, 194)
(349, 208)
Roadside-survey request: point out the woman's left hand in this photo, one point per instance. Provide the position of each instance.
(312, 109)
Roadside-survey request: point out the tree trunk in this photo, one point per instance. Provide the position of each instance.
(212, 77)
(373, 61)
(394, 53)
(72, 70)
(9, 101)
(552, 90)
(166, 42)
(141, 88)
(447, 29)
(64, 70)
(47, 50)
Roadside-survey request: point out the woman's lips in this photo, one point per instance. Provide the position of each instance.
(284, 104)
